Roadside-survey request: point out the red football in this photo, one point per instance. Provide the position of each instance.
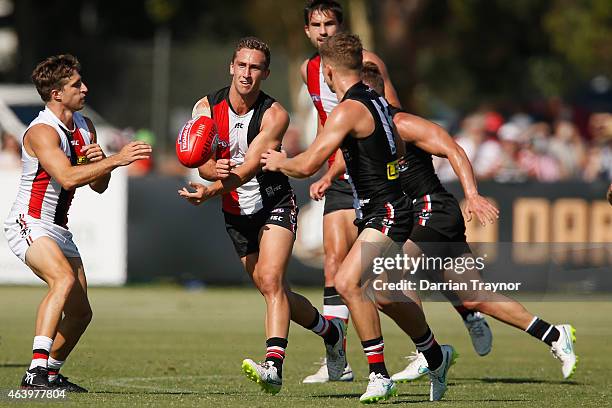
(197, 141)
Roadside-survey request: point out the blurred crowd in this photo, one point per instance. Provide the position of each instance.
(518, 148)
(506, 149)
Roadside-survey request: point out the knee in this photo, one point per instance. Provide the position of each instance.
(472, 305)
(270, 284)
(347, 290)
(383, 303)
(64, 282)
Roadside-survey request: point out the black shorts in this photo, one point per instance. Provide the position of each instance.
(244, 229)
(440, 212)
(439, 227)
(392, 218)
(339, 196)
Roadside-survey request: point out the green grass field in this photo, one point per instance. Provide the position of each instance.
(162, 346)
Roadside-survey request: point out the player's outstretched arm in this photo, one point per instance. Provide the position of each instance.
(338, 125)
(435, 140)
(45, 145)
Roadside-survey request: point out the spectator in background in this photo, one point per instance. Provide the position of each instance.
(489, 154)
(567, 147)
(10, 151)
(599, 156)
(470, 136)
(534, 159)
(511, 138)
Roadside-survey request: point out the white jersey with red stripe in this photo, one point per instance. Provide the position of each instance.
(40, 195)
(323, 98)
(236, 132)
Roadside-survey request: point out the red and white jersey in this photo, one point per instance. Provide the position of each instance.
(322, 96)
(236, 132)
(40, 195)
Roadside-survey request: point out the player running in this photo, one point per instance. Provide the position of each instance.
(361, 125)
(439, 231)
(322, 19)
(259, 208)
(59, 154)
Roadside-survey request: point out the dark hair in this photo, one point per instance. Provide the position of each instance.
(253, 43)
(53, 73)
(322, 6)
(343, 50)
(371, 76)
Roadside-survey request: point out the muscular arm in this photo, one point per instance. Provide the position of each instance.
(273, 126)
(339, 124)
(101, 184)
(435, 140)
(44, 143)
(390, 93)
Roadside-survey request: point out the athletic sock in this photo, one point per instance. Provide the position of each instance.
(333, 306)
(40, 351)
(375, 352)
(464, 312)
(543, 330)
(430, 348)
(275, 352)
(324, 328)
(54, 367)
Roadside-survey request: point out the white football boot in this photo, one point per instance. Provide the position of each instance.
(563, 349)
(379, 388)
(480, 333)
(335, 353)
(264, 374)
(416, 369)
(321, 375)
(437, 377)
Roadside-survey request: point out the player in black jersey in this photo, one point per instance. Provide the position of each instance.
(322, 19)
(361, 125)
(439, 231)
(260, 208)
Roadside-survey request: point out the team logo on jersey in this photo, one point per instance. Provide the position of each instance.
(425, 215)
(239, 125)
(315, 98)
(270, 190)
(393, 170)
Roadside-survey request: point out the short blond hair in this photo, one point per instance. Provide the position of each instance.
(343, 50)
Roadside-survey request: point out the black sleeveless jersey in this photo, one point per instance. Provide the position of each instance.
(236, 132)
(371, 162)
(417, 173)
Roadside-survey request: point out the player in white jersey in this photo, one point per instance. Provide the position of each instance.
(59, 154)
(259, 208)
(322, 19)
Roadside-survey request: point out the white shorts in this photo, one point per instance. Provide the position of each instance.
(22, 230)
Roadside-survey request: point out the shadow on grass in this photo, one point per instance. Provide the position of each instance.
(153, 392)
(13, 365)
(504, 380)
